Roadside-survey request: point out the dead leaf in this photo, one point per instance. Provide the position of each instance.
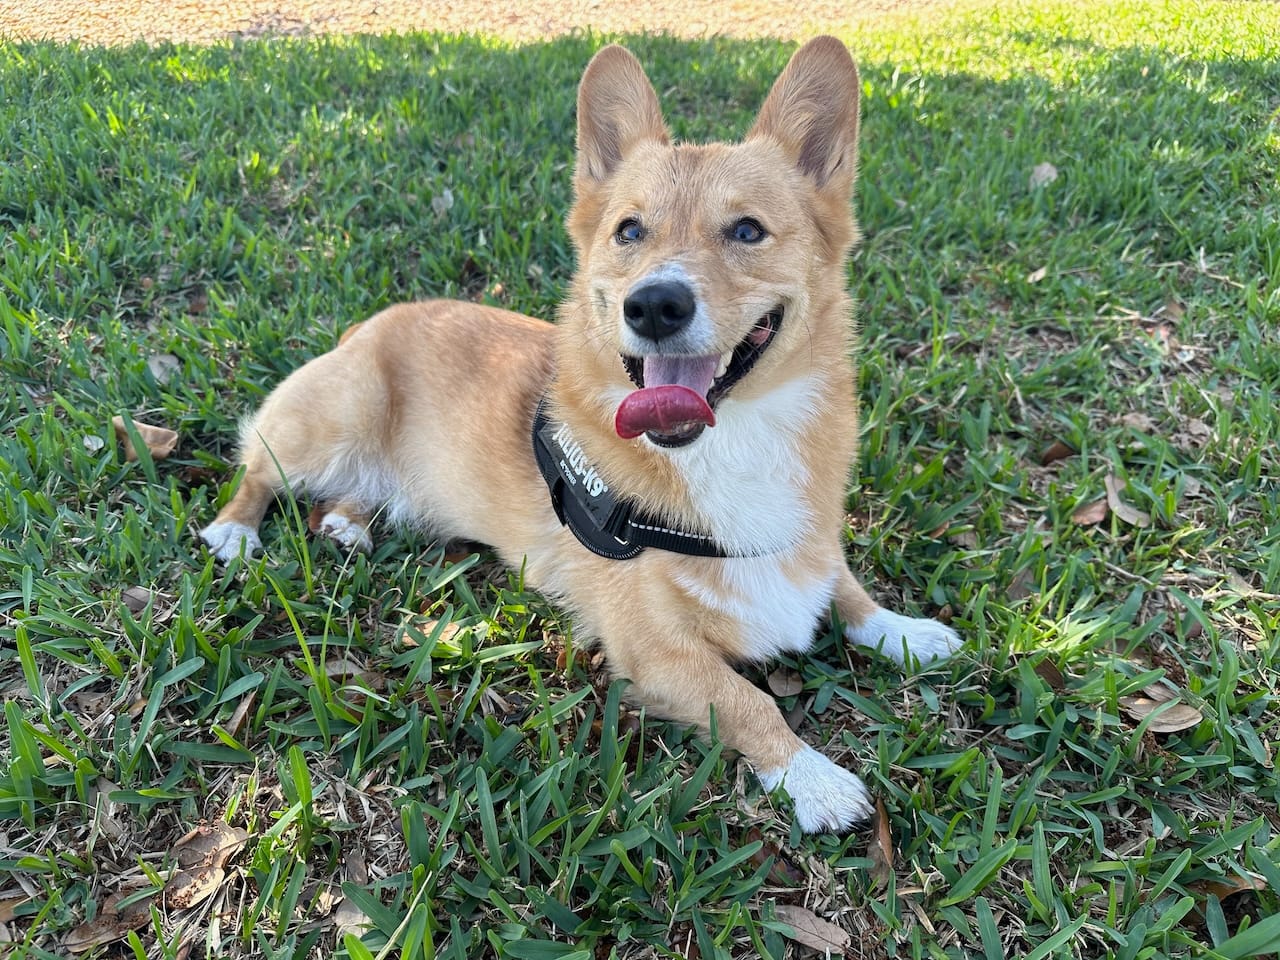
(1138, 421)
(163, 366)
(420, 629)
(111, 923)
(880, 849)
(442, 202)
(136, 599)
(1042, 174)
(968, 539)
(209, 844)
(784, 872)
(236, 724)
(1056, 451)
(1035, 276)
(1122, 509)
(93, 443)
(160, 441)
(785, 682)
(186, 888)
(9, 907)
(347, 917)
(1090, 513)
(811, 930)
(1021, 585)
(1171, 720)
(1226, 888)
(1174, 310)
(1048, 671)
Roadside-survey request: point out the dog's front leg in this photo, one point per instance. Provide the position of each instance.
(684, 683)
(867, 624)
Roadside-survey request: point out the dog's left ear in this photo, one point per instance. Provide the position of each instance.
(812, 111)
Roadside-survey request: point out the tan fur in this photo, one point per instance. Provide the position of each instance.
(429, 405)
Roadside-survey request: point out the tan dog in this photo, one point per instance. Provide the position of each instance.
(700, 398)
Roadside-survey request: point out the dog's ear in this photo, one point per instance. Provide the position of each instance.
(812, 112)
(617, 109)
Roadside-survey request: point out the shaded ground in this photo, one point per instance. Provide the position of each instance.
(114, 21)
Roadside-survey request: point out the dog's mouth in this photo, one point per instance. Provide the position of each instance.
(677, 394)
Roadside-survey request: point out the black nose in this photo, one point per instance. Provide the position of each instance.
(658, 310)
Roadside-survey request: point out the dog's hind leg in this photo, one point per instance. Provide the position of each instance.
(867, 624)
(347, 522)
(316, 432)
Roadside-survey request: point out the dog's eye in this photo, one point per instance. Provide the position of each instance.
(747, 230)
(629, 231)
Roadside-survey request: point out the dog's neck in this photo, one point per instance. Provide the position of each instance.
(744, 482)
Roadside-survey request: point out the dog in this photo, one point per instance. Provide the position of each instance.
(670, 460)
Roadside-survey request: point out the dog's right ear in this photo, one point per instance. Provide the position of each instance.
(617, 109)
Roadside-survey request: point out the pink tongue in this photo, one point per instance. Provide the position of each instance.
(674, 397)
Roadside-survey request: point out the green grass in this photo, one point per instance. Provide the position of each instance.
(417, 736)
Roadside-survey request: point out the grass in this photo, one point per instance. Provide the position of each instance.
(421, 759)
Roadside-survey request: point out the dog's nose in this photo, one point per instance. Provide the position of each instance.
(658, 310)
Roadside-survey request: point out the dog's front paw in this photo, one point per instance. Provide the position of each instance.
(350, 533)
(827, 797)
(901, 637)
(229, 540)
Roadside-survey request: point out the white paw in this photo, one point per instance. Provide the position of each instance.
(346, 531)
(896, 636)
(827, 797)
(228, 540)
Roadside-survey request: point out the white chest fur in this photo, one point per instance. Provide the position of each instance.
(746, 475)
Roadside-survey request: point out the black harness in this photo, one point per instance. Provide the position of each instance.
(603, 523)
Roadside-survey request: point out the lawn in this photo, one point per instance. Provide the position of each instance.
(1070, 373)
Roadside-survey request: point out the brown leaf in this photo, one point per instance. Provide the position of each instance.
(136, 598)
(209, 844)
(1226, 888)
(110, 924)
(1035, 276)
(1056, 451)
(236, 724)
(1090, 513)
(784, 872)
(785, 682)
(347, 917)
(1122, 509)
(1048, 671)
(1180, 716)
(880, 848)
(9, 907)
(186, 888)
(420, 628)
(811, 930)
(1021, 586)
(160, 441)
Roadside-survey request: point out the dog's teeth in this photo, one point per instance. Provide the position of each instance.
(724, 365)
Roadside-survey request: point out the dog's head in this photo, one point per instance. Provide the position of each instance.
(712, 271)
